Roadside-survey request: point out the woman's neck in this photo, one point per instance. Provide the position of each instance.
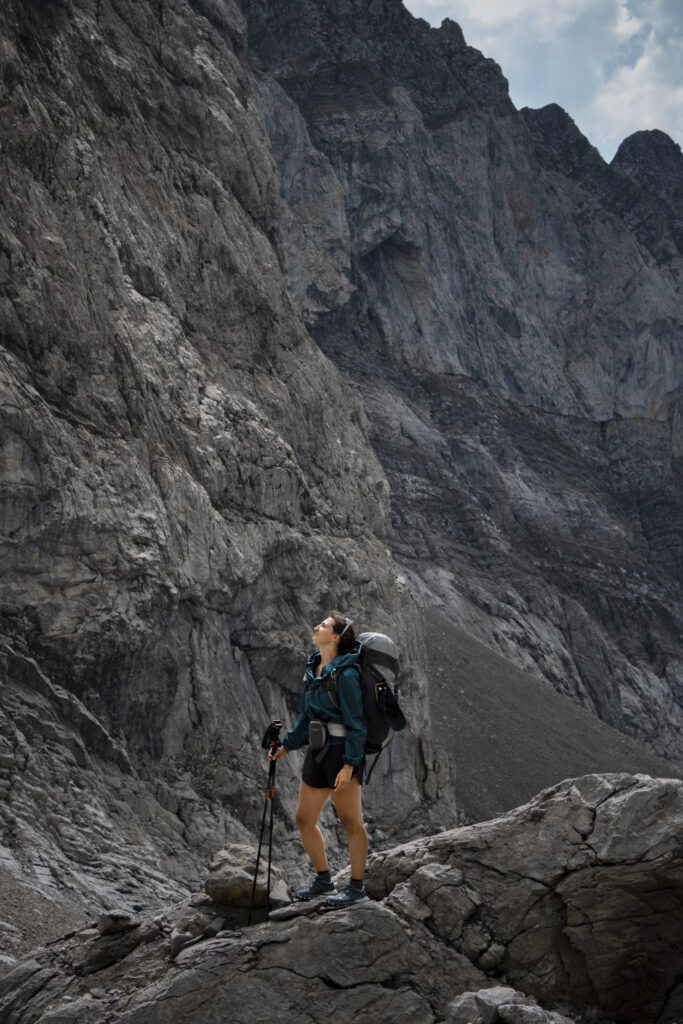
(327, 653)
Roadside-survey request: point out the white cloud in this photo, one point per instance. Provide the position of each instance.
(627, 24)
(543, 19)
(645, 95)
(539, 17)
(616, 66)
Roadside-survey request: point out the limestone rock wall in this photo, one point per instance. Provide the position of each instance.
(152, 476)
(508, 307)
(186, 481)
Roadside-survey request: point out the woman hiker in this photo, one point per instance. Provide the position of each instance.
(335, 769)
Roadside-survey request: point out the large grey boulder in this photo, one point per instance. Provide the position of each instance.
(565, 909)
(500, 1004)
(576, 894)
(230, 881)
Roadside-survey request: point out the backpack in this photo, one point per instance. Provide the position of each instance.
(378, 669)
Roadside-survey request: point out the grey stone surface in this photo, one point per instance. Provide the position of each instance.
(500, 1005)
(576, 887)
(490, 1000)
(511, 733)
(230, 881)
(114, 921)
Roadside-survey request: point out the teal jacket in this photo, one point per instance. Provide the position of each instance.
(316, 703)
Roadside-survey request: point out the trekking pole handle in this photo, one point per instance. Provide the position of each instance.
(271, 738)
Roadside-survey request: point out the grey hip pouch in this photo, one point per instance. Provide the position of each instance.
(317, 734)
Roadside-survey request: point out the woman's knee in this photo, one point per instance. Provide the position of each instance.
(309, 807)
(305, 820)
(353, 824)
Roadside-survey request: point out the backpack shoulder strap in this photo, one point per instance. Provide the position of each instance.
(332, 689)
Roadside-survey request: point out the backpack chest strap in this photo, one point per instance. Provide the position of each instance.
(328, 684)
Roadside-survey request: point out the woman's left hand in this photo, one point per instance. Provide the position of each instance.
(343, 776)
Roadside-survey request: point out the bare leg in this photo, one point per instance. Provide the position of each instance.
(311, 803)
(348, 802)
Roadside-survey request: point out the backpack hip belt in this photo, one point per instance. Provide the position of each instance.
(319, 737)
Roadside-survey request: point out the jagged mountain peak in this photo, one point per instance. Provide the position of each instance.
(443, 75)
(560, 142)
(655, 162)
(642, 186)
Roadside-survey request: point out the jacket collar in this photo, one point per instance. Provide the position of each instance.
(341, 661)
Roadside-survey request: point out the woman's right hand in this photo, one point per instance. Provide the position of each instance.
(275, 755)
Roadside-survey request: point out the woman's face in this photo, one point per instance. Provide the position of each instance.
(324, 632)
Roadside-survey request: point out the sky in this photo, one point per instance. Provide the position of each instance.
(616, 66)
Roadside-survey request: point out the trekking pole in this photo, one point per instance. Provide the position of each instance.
(271, 741)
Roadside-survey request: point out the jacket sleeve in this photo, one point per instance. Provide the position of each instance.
(298, 734)
(351, 709)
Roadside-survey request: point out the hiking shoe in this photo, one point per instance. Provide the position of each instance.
(317, 887)
(347, 897)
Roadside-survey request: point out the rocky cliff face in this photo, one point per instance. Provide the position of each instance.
(187, 482)
(298, 311)
(508, 307)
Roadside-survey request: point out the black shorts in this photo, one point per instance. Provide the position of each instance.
(322, 775)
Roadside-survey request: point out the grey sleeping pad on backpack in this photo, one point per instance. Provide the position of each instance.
(381, 651)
